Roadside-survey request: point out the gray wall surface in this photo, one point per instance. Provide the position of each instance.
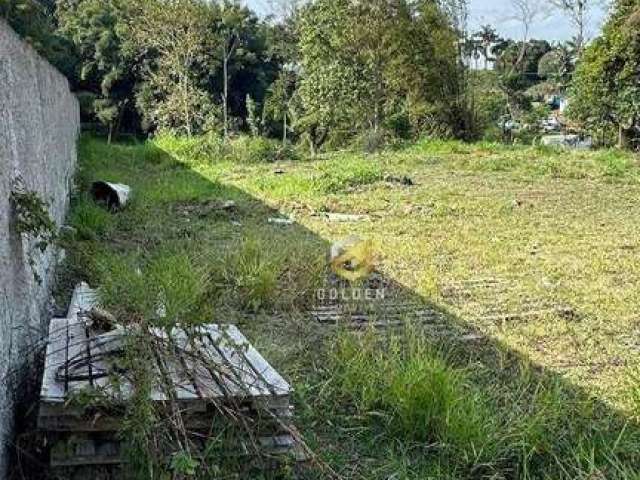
(39, 124)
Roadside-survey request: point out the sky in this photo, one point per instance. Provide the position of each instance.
(551, 25)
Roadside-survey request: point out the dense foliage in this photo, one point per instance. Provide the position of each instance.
(606, 90)
(331, 70)
(329, 73)
(386, 66)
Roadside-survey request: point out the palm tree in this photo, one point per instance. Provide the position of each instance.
(472, 48)
(487, 36)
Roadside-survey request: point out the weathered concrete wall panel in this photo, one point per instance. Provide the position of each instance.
(39, 124)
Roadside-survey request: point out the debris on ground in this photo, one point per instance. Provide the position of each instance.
(101, 319)
(281, 221)
(114, 195)
(402, 180)
(201, 371)
(229, 205)
(346, 217)
(568, 141)
(207, 208)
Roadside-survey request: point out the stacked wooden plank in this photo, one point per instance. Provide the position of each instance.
(202, 370)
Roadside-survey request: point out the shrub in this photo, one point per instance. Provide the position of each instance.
(372, 141)
(246, 149)
(250, 274)
(614, 163)
(343, 172)
(202, 149)
(212, 147)
(166, 289)
(256, 277)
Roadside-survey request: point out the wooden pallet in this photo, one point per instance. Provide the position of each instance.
(383, 315)
(202, 370)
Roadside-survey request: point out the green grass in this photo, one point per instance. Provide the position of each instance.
(90, 220)
(410, 393)
(546, 396)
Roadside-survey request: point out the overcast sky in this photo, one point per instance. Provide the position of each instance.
(551, 25)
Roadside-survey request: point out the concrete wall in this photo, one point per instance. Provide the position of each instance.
(39, 124)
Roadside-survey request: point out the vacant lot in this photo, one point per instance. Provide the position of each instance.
(526, 260)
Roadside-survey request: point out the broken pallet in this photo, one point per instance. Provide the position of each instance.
(202, 368)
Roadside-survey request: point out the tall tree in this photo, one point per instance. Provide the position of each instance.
(35, 21)
(556, 66)
(516, 64)
(233, 23)
(278, 103)
(487, 36)
(366, 64)
(578, 12)
(96, 27)
(175, 46)
(606, 85)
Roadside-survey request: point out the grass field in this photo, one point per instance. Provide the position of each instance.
(528, 255)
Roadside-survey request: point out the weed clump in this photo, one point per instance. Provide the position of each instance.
(257, 277)
(167, 288)
(421, 396)
(90, 220)
(343, 172)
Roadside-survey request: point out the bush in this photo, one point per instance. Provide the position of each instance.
(166, 289)
(411, 391)
(250, 275)
(212, 147)
(372, 141)
(201, 149)
(255, 277)
(246, 149)
(344, 171)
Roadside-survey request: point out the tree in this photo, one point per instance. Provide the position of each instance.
(556, 66)
(487, 37)
(605, 89)
(525, 12)
(373, 65)
(174, 48)
(517, 63)
(578, 13)
(278, 103)
(232, 25)
(96, 28)
(35, 22)
(329, 88)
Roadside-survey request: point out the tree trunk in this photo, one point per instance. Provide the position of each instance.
(187, 113)
(580, 20)
(225, 94)
(284, 129)
(624, 137)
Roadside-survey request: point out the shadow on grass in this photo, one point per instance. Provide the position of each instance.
(456, 405)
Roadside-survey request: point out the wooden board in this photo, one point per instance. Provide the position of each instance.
(202, 368)
(83, 299)
(209, 362)
(53, 391)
